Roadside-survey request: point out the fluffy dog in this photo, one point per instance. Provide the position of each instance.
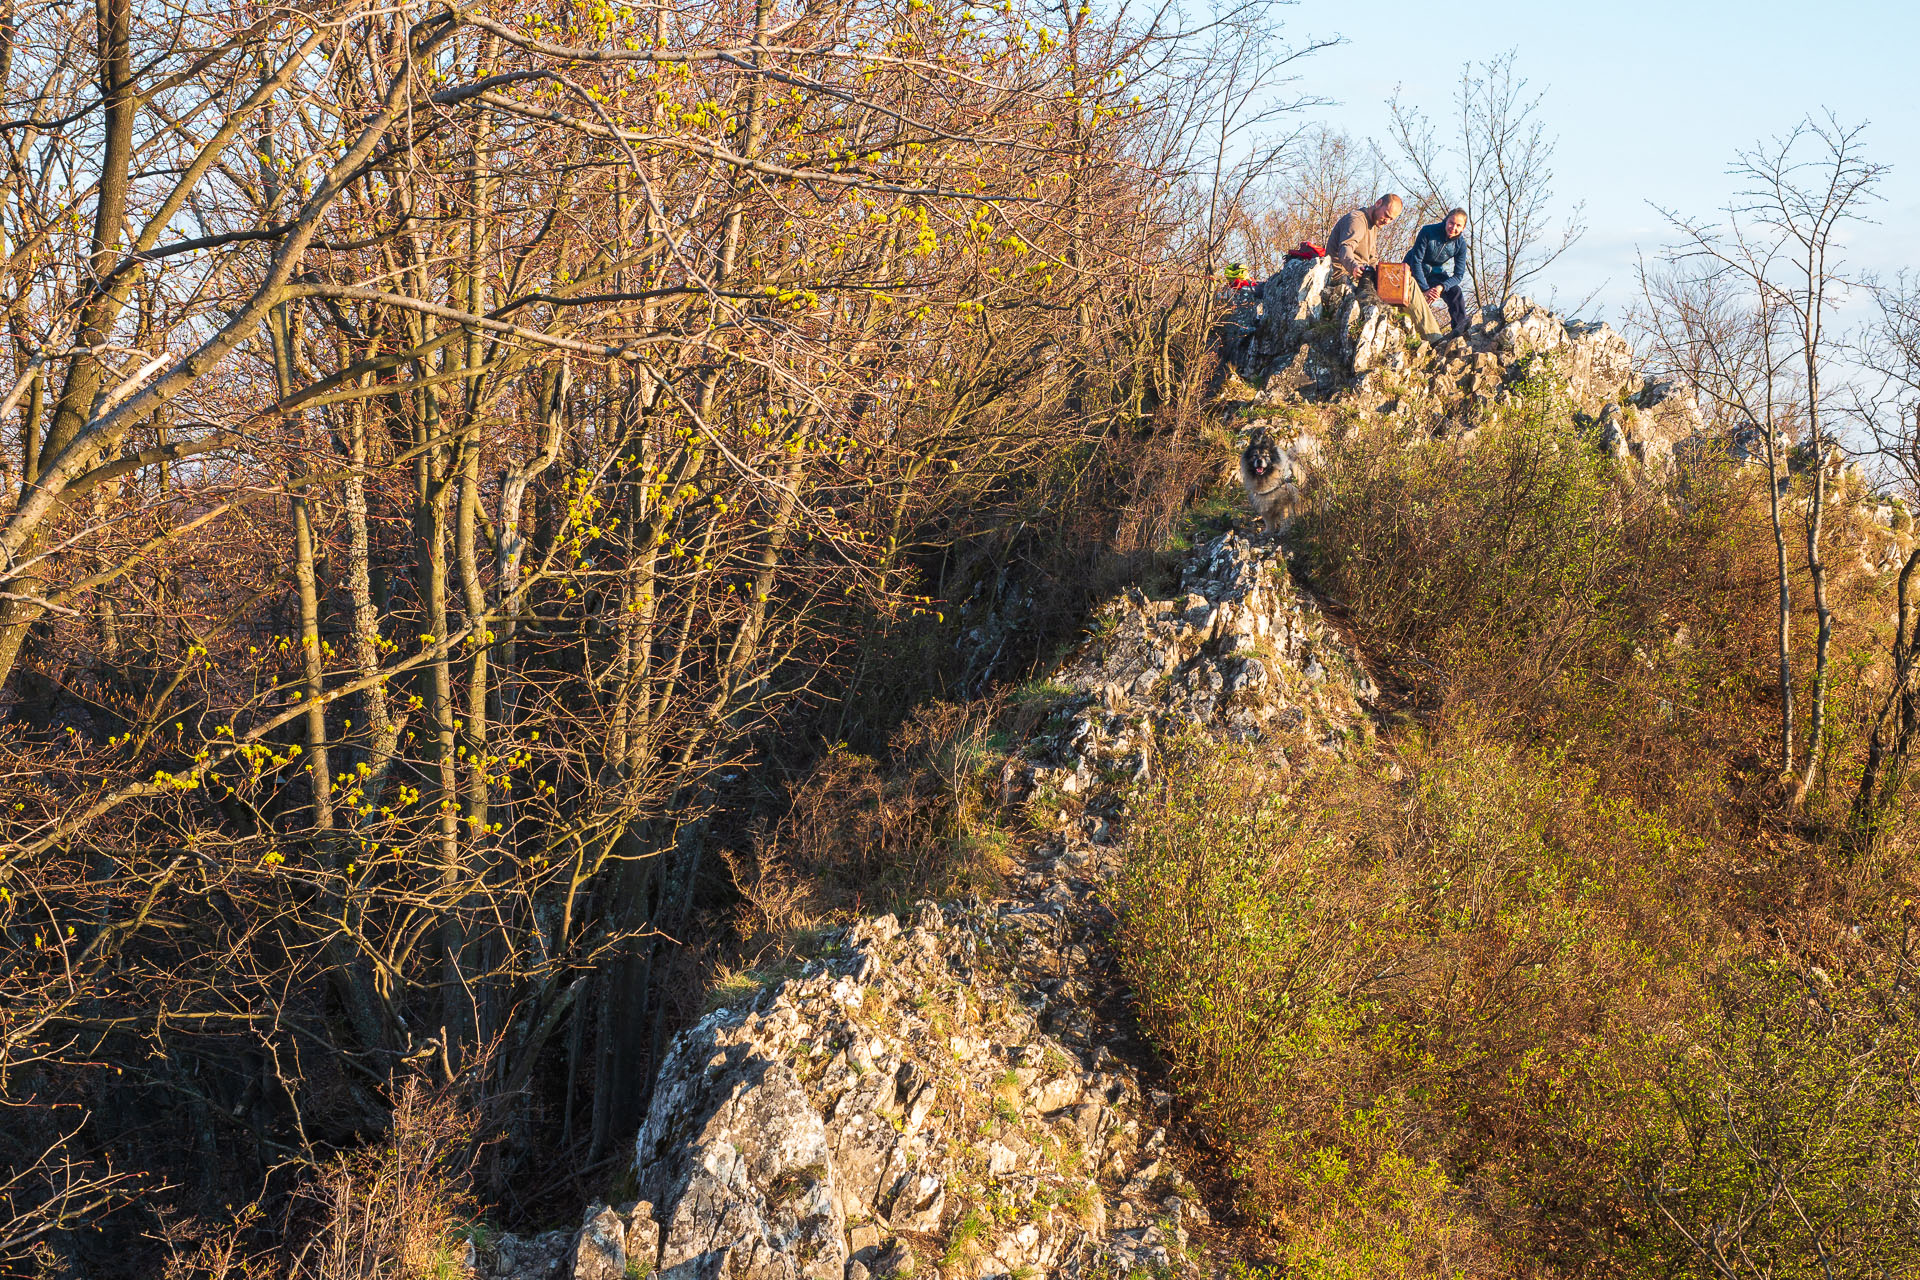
(1270, 481)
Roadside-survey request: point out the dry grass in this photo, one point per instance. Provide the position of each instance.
(862, 835)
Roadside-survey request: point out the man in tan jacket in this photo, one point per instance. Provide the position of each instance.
(1354, 251)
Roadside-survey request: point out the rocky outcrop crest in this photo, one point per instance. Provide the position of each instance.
(1307, 334)
(1305, 337)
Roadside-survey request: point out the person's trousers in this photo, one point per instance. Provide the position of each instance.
(1423, 322)
(1456, 307)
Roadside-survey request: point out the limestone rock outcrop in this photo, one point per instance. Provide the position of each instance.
(1306, 333)
(1305, 336)
(960, 1092)
(1241, 652)
(1306, 328)
(897, 1099)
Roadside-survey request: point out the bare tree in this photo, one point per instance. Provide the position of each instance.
(1803, 187)
(1495, 158)
(1702, 319)
(1242, 85)
(1741, 305)
(1322, 174)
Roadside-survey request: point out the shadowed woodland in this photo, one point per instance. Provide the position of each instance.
(443, 449)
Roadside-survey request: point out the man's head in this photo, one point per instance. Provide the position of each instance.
(1456, 223)
(1384, 210)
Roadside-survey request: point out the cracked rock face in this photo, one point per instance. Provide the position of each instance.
(879, 1099)
(738, 1156)
(1306, 327)
(1243, 653)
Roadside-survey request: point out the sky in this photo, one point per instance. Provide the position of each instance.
(1650, 102)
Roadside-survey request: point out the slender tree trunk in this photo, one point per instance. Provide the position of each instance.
(433, 477)
(375, 704)
(349, 973)
(510, 554)
(474, 604)
(313, 666)
(621, 1011)
(1897, 719)
(467, 509)
(1817, 568)
(85, 373)
(1784, 629)
(359, 987)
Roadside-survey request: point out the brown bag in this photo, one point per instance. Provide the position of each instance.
(1393, 281)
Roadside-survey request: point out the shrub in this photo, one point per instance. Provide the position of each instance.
(1790, 1145)
(1510, 566)
(1624, 615)
(1414, 1010)
(394, 1208)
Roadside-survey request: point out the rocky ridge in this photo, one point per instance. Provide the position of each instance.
(960, 1092)
(1306, 337)
(1307, 334)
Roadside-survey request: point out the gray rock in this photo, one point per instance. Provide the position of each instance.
(641, 1241)
(541, 1257)
(735, 1151)
(1307, 327)
(1305, 333)
(1611, 433)
(898, 1260)
(600, 1246)
(864, 1242)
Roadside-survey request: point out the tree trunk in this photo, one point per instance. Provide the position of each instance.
(85, 373)
(1784, 628)
(1895, 722)
(1817, 567)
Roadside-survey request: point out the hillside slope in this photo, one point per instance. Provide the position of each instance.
(965, 1090)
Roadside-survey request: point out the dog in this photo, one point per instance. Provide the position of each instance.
(1271, 482)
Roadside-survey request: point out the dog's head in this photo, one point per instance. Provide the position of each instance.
(1261, 457)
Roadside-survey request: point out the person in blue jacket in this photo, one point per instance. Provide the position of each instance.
(1438, 261)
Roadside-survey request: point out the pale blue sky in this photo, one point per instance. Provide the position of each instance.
(1650, 100)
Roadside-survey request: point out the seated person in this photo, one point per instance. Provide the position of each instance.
(1355, 252)
(1438, 261)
